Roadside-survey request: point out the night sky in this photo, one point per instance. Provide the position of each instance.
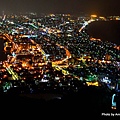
(100, 7)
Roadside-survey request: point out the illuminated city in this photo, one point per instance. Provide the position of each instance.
(54, 61)
(54, 54)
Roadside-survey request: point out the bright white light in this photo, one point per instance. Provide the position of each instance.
(44, 80)
(113, 102)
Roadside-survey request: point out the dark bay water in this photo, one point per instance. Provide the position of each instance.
(105, 30)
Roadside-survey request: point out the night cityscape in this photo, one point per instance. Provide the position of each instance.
(64, 62)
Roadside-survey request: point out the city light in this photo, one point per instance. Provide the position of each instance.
(54, 54)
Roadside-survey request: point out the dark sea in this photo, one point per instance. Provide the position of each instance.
(105, 30)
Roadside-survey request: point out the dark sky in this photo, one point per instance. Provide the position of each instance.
(100, 7)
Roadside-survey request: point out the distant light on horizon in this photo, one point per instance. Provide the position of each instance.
(94, 16)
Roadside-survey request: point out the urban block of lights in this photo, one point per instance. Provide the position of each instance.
(55, 53)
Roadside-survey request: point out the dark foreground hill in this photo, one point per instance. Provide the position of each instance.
(89, 101)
